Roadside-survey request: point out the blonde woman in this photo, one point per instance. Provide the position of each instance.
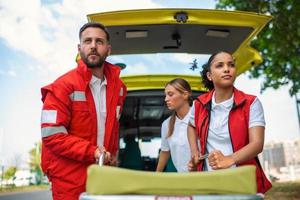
(174, 141)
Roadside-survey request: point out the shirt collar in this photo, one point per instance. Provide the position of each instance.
(225, 104)
(95, 80)
(186, 118)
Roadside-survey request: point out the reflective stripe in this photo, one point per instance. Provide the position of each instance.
(49, 116)
(118, 114)
(78, 96)
(51, 130)
(121, 91)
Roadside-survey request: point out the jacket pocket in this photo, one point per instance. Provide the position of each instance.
(80, 106)
(81, 120)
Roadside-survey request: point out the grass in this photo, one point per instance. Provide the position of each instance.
(9, 189)
(284, 191)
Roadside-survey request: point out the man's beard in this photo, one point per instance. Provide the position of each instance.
(93, 64)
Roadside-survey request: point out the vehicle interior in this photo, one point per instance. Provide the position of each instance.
(143, 114)
(152, 31)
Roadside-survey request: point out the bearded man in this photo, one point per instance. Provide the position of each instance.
(80, 115)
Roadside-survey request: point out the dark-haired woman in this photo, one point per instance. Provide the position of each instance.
(229, 123)
(174, 140)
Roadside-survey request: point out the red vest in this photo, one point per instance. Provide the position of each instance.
(238, 124)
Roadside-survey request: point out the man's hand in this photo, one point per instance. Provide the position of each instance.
(217, 160)
(99, 151)
(113, 161)
(107, 158)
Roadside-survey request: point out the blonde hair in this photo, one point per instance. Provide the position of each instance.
(181, 85)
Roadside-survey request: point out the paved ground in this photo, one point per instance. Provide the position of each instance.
(35, 195)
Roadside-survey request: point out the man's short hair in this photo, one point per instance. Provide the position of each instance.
(94, 25)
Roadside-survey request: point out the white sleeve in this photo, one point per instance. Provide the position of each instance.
(164, 131)
(256, 117)
(192, 115)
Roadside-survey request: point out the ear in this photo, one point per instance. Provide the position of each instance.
(109, 50)
(185, 95)
(208, 75)
(78, 47)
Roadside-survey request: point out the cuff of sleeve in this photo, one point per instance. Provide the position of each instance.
(192, 123)
(164, 149)
(91, 154)
(253, 124)
(114, 152)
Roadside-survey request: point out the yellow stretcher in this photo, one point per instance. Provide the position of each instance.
(111, 183)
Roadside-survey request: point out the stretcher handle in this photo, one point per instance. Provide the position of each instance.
(101, 159)
(202, 157)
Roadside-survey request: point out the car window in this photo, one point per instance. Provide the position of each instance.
(160, 63)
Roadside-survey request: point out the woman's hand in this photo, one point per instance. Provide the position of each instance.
(193, 163)
(191, 166)
(217, 160)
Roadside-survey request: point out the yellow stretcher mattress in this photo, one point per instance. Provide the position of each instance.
(111, 180)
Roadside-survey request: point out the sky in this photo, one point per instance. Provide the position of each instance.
(38, 43)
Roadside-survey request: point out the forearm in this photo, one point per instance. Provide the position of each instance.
(162, 161)
(71, 147)
(248, 152)
(255, 146)
(192, 138)
(256, 142)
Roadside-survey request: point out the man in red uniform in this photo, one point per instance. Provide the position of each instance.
(80, 115)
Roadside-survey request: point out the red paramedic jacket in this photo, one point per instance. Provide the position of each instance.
(238, 124)
(69, 123)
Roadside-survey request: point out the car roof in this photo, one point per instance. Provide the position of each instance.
(196, 31)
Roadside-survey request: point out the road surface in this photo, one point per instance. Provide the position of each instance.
(34, 195)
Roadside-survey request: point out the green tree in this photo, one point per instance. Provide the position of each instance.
(279, 43)
(10, 173)
(35, 161)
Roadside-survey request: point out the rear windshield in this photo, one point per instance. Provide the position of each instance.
(161, 63)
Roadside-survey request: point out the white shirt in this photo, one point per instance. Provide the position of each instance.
(218, 134)
(98, 89)
(177, 144)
